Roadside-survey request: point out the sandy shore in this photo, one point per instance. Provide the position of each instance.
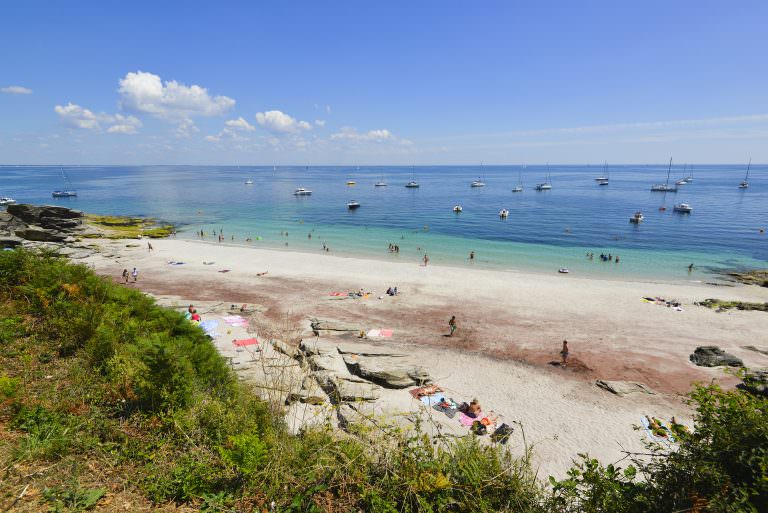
(511, 326)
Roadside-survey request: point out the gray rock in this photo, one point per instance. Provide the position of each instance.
(761, 350)
(756, 382)
(285, 348)
(319, 325)
(353, 391)
(10, 241)
(40, 235)
(389, 372)
(622, 388)
(307, 397)
(33, 214)
(713, 356)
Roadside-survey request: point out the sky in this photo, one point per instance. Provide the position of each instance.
(396, 82)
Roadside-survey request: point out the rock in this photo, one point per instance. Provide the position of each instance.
(761, 350)
(622, 388)
(39, 234)
(386, 371)
(319, 325)
(285, 348)
(313, 346)
(306, 397)
(353, 391)
(328, 362)
(713, 356)
(32, 214)
(10, 241)
(755, 382)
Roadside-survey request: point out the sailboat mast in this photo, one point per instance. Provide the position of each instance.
(748, 166)
(669, 170)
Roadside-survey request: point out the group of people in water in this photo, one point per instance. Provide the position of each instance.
(603, 257)
(394, 248)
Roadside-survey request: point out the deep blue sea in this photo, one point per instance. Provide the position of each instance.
(545, 230)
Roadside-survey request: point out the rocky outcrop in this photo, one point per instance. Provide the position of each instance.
(622, 388)
(46, 223)
(756, 382)
(387, 371)
(713, 356)
(319, 326)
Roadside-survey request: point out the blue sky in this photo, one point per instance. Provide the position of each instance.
(427, 82)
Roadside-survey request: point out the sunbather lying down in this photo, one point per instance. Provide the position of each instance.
(262, 274)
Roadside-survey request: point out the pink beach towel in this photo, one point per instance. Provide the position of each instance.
(337, 294)
(466, 420)
(379, 333)
(245, 342)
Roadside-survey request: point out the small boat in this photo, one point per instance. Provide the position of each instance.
(637, 218)
(477, 183)
(605, 178)
(412, 184)
(352, 205)
(249, 182)
(745, 183)
(546, 185)
(503, 213)
(517, 188)
(664, 187)
(5, 200)
(457, 209)
(351, 182)
(301, 191)
(68, 191)
(563, 270)
(380, 183)
(682, 181)
(683, 208)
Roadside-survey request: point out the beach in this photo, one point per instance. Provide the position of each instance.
(511, 325)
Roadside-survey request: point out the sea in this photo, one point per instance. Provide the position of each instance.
(545, 230)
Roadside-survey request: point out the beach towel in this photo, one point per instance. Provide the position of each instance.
(224, 271)
(210, 328)
(337, 294)
(466, 420)
(234, 319)
(379, 333)
(443, 408)
(649, 432)
(425, 390)
(245, 342)
(430, 400)
(208, 263)
(173, 262)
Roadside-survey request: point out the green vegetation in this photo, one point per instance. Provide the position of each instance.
(758, 277)
(125, 227)
(722, 305)
(108, 400)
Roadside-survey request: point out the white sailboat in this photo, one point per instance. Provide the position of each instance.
(547, 184)
(745, 183)
(413, 184)
(68, 191)
(519, 186)
(605, 179)
(665, 187)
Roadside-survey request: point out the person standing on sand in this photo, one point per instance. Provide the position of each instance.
(452, 325)
(564, 353)
(135, 274)
(149, 246)
(426, 260)
(125, 275)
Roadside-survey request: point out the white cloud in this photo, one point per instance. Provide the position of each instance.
(16, 90)
(320, 123)
(278, 122)
(185, 128)
(147, 93)
(328, 109)
(350, 134)
(75, 116)
(240, 124)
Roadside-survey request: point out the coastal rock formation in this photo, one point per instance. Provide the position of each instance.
(387, 371)
(756, 382)
(22, 223)
(622, 388)
(319, 326)
(713, 356)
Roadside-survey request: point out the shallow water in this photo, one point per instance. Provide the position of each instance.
(545, 230)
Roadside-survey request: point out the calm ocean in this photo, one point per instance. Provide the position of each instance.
(545, 230)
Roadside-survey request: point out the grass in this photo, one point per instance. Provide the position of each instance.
(126, 227)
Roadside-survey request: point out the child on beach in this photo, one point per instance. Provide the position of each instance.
(125, 275)
(452, 325)
(135, 274)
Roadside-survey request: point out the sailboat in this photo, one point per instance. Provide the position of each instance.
(745, 183)
(380, 183)
(68, 191)
(665, 187)
(413, 184)
(479, 182)
(603, 180)
(683, 181)
(546, 185)
(519, 186)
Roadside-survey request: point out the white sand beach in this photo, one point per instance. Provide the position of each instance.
(510, 328)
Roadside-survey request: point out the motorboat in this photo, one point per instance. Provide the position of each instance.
(68, 191)
(637, 218)
(543, 186)
(745, 183)
(413, 184)
(301, 191)
(665, 187)
(249, 182)
(517, 188)
(477, 183)
(563, 270)
(457, 209)
(682, 182)
(5, 200)
(380, 183)
(683, 208)
(503, 213)
(352, 205)
(603, 181)
(351, 182)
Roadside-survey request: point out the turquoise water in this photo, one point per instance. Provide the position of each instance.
(545, 230)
